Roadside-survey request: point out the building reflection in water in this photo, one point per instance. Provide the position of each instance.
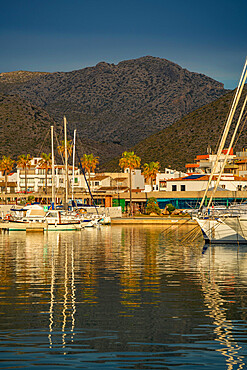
(64, 270)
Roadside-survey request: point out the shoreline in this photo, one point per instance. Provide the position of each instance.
(153, 220)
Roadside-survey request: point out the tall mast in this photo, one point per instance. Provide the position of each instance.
(228, 152)
(52, 170)
(227, 128)
(73, 173)
(66, 163)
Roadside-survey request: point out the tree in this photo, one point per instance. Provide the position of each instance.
(24, 161)
(152, 206)
(45, 162)
(170, 208)
(89, 163)
(150, 171)
(131, 161)
(6, 165)
(61, 147)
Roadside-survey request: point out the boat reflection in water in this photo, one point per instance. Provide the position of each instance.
(122, 297)
(217, 259)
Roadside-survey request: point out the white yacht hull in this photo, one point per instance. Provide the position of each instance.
(24, 226)
(218, 232)
(239, 224)
(63, 227)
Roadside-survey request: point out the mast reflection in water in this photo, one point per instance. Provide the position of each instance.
(121, 297)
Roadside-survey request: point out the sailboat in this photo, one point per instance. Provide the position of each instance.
(224, 228)
(66, 220)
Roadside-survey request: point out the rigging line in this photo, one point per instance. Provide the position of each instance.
(178, 225)
(48, 132)
(227, 127)
(189, 234)
(229, 148)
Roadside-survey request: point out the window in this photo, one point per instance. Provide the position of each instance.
(239, 187)
(174, 187)
(96, 183)
(182, 187)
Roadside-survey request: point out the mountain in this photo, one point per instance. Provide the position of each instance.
(25, 128)
(179, 143)
(115, 105)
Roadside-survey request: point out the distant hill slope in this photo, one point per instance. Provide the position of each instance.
(116, 104)
(179, 143)
(25, 129)
(17, 77)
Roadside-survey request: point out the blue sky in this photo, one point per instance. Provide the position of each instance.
(209, 37)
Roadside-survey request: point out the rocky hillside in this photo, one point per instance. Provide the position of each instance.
(117, 105)
(179, 143)
(25, 129)
(17, 77)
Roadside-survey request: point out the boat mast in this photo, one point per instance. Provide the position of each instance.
(66, 163)
(226, 129)
(228, 152)
(52, 170)
(73, 173)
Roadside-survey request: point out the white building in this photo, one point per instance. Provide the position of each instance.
(36, 177)
(197, 182)
(117, 181)
(205, 163)
(11, 182)
(160, 183)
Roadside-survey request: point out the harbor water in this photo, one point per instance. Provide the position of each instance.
(121, 297)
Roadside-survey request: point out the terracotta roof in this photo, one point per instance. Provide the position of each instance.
(191, 165)
(204, 156)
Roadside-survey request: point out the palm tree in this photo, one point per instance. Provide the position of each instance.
(61, 147)
(45, 162)
(131, 161)
(89, 163)
(150, 171)
(6, 165)
(24, 161)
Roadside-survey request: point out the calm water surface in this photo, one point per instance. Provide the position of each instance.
(121, 298)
